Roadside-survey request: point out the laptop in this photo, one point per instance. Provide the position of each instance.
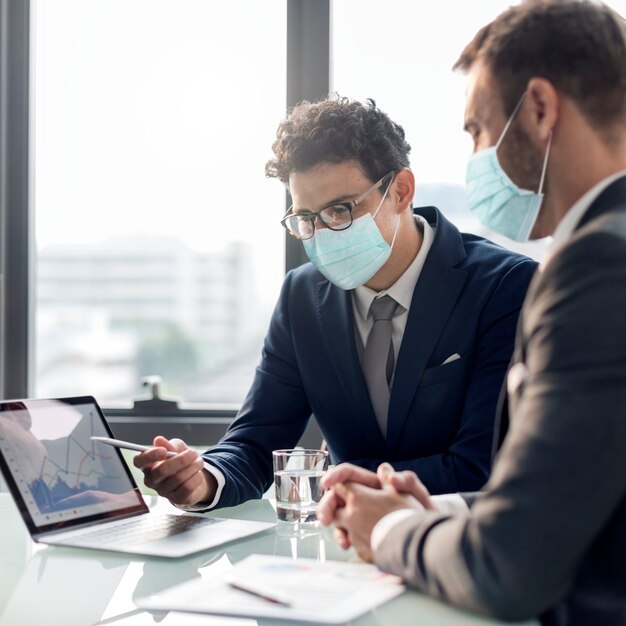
(73, 491)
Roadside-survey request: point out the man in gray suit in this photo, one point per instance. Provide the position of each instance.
(546, 103)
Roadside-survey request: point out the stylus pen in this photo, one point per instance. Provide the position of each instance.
(118, 443)
(260, 591)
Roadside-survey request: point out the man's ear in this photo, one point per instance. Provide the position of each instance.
(403, 188)
(541, 109)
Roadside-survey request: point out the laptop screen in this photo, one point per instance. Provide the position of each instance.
(58, 476)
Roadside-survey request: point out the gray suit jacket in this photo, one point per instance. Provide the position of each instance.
(547, 535)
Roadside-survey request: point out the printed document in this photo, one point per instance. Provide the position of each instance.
(332, 592)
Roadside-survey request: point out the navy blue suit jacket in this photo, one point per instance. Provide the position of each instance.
(441, 417)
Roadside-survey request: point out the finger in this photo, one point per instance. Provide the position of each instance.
(383, 472)
(408, 482)
(170, 467)
(329, 503)
(346, 472)
(172, 483)
(172, 445)
(161, 446)
(149, 457)
(342, 538)
(186, 492)
(179, 445)
(342, 518)
(342, 491)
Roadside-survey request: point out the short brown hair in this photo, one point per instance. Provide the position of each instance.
(335, 130)
(577, 45)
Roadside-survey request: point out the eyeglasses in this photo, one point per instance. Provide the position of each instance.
(336, 217)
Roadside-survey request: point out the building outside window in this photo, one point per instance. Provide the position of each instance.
(157, 243)
(158, 247)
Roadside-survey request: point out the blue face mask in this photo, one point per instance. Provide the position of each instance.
(349, 258)
(498, 202)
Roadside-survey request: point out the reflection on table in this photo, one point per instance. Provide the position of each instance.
(70, 586)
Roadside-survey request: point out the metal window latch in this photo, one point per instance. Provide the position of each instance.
(155, 404)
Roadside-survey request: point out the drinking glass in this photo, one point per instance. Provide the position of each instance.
(297, 477)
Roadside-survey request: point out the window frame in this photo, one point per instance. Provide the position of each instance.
(16, 234)
(307, 77)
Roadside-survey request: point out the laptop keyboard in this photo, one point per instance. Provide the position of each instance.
(143, 529)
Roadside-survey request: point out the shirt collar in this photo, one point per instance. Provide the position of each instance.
(402, 290)
(571, 219)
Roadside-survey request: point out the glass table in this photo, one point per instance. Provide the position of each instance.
(70, 586)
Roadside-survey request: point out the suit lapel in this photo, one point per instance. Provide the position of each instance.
(334, 310)
(612, 197)
(502, 421)
(434, 298)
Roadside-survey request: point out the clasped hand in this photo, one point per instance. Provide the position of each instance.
(357, 499)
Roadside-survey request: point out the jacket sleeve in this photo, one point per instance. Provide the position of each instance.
(466, 464)
(274, 415)
(561, 472)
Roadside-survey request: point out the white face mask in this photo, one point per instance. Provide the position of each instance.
(349, 258)
(498, 202)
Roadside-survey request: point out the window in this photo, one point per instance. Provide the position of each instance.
(138, 130)
(401, 54)
(158, 247)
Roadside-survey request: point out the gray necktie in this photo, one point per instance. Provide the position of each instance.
(378, 357)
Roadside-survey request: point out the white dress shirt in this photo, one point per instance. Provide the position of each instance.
(449, 503)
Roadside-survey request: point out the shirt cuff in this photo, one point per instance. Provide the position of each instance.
(450, 503)
(205, 506)
(447, 503)
(386, 524)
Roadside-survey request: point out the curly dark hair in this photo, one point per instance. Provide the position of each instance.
(335, 130)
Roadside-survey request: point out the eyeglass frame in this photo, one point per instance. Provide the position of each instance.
(349, 205)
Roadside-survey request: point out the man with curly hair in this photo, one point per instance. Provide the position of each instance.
(396, 336)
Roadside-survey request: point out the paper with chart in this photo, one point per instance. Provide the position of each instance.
(332, 592)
